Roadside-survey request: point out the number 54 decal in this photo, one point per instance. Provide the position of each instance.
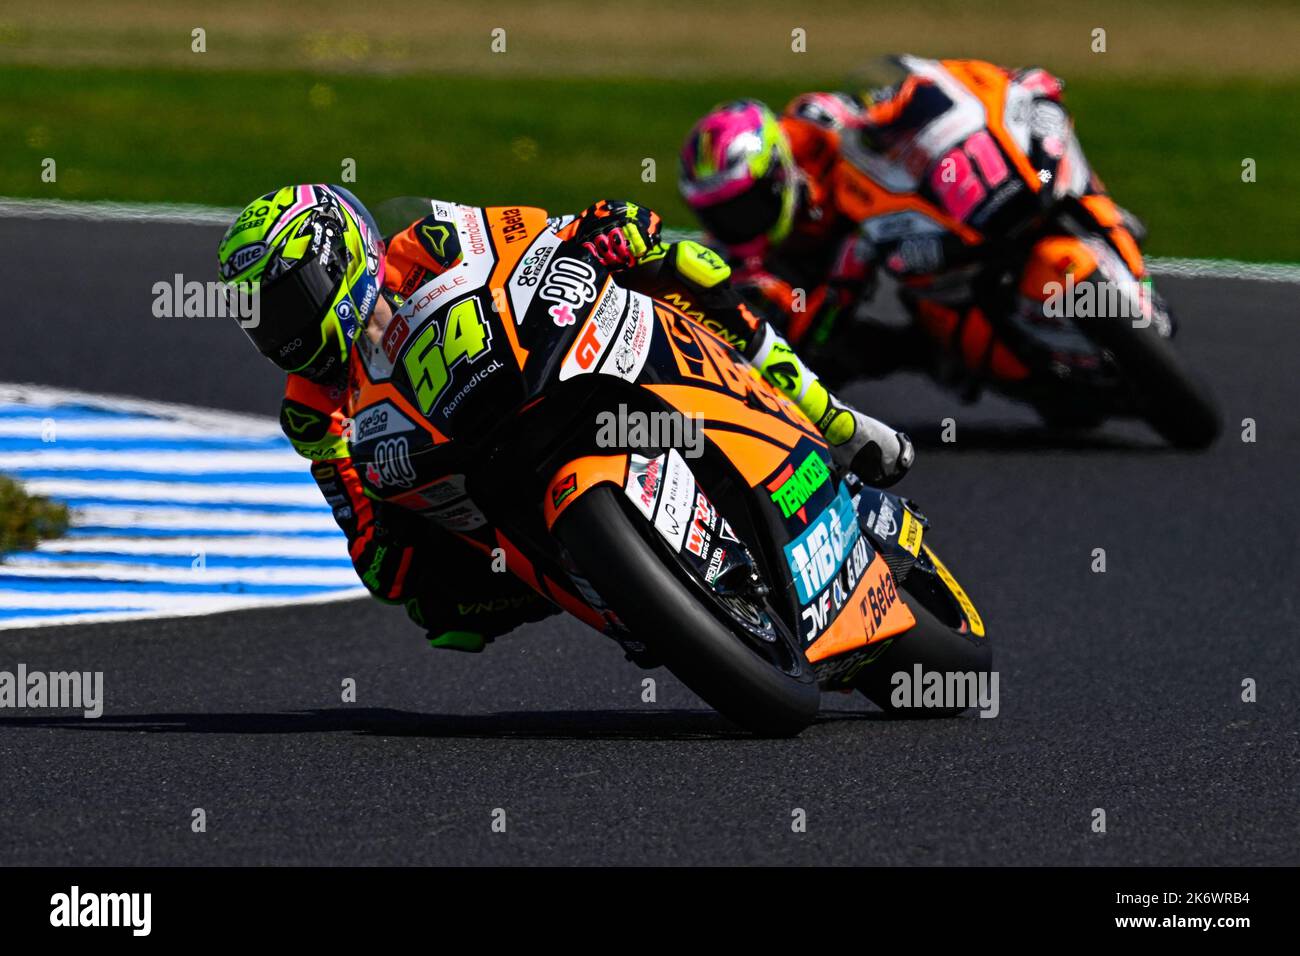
(428, 362)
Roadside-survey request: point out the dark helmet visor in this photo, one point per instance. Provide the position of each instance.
(292, 308)
(746, 216)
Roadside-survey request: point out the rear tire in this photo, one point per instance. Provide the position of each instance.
(660, 608)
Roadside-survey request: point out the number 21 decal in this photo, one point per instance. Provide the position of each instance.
(954, 179)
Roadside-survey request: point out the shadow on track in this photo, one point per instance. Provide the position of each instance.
(385, 722)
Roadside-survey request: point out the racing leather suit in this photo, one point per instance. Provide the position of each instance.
(446, 586)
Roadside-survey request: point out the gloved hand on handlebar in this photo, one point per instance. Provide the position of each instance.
(618, 233)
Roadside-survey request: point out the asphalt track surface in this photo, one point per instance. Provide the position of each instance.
(1118, 690)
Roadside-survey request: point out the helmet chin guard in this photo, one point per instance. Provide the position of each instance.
(314, 259)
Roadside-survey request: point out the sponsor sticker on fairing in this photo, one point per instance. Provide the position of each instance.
(817, 554)
(883, 520)
(632, 344)
(827, 605)
(909, 534)
(378, 421)
(449, 407)
(391, 466)
(596, 333)
(527, 276)
(793, 488)
(462, 515)
(703, 523)
(644, 482)
(445, 490)
(448, 503)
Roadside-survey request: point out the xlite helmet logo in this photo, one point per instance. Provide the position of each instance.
(242, 258)
(570, 281)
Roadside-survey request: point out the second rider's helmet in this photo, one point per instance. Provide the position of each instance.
(738, 175)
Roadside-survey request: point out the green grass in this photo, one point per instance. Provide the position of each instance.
(26, 519)
(1171, 151)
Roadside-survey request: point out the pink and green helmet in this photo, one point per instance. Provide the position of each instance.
(314, 258)
(738, 176)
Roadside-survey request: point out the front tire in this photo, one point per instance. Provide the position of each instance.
(1174, 400)
(650, 592)
(933, 644)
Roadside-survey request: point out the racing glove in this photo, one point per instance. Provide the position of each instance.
(618, 233)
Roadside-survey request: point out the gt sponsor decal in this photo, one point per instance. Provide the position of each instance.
(377, 421)
(792, 488)
(968, 608)
(587, 349)
(391, 466)
(596, 334)
(816, 555)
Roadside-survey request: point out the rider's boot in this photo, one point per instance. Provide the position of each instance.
(869, 448)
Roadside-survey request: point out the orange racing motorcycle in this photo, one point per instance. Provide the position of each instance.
(752, 570)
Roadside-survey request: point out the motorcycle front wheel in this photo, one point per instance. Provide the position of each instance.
(750, 668)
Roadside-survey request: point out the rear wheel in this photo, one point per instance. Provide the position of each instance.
(736, 654)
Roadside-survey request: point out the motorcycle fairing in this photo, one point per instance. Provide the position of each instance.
(846, 593)
(536, 327)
